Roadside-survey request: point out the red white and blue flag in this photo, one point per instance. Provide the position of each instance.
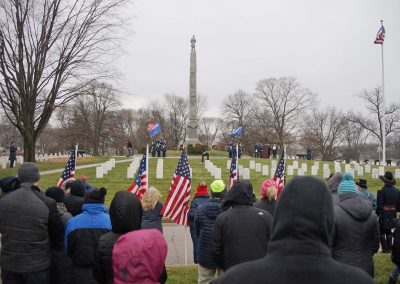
(234, 171)
(153, 129)
(380, 36)
(176, 205)
(69, 171)
(140, 185)
(279, 176)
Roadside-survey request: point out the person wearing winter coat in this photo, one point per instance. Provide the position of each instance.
(61, 265)
(363, 191)
(268, 192)
(242, 232)
(333, 184)
(356, 235)
(386, 207)
(83, 232)
(8, 184)
(152, 216)
(299, 251)
(199, 198)
(395, 255)
(204, 221)
(126, 216)
(139, 257)
(29, 225)
(75, 198)
(13, 155)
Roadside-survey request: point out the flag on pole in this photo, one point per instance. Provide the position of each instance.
(279, 176)
(69, 171)
(140, 185)
(234, 170)
(237, 132)
(380, 36)
(176, 206)
(153, 128)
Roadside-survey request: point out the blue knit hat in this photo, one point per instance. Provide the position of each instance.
(347, 185)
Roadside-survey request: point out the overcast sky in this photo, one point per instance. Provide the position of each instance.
(327, 45)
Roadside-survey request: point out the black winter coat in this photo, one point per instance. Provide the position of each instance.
(151, 219)
(396, 245)
(356, 234)
(74, 200)
(388, 196)
(266, 204)
(29, 224)
(242, 232)
(204, 222)
(194, 204)
(298, 251)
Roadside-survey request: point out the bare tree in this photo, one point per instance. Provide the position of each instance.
(48, 48)
(177, 114)
(286, 100)
(373, 122)
(209, 129)
(355, 138)
(237, 108)
(324, 131)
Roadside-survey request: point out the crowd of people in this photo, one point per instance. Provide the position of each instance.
(314, 231)
(159, 147)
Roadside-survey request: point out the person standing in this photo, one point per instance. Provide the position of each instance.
(29, 225)
(129, 146)
(356, 235)
(204, 221)
(363, 191)
(268, 192)
(242, 232)
(199, 198)
(386, 208)
(152, 206)
(13, 154)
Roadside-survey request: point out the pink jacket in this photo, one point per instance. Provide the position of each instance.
(139, 257)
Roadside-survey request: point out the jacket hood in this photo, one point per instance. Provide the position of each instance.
(93, 208)
(78, 188)
(334, 181)
(303, 220)
(357, 206)
(125, 212)
(241, 193)
(139, 257)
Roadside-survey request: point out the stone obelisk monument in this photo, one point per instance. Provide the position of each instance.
(193, 124)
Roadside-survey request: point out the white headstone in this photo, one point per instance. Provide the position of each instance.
(300, 172)
(252, 164)
(274, 164)
(360, 171)
(397, 173)
(258, 167)
(316, 164)
(338, 168)
(265, 170)
(112, 160)
(105, 168)
(20, 160)
(206, 164)
(325, 166)
(326, 172)
(314, 170)
(159, 171)
(346, 168)
(290, 170)
(99, 172)
(228, 164)
(217, 173)
(295, 165)
(240, 170)
(3, 163)
(367, 168)
(304, 167)
(130, 173)
(356, 166)
(381, 171)
(375, 173)
(246, 173)
(191, 172)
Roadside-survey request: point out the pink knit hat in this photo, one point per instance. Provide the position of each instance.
(266, 185)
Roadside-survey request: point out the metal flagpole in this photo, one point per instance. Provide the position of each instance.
(384, 109)
(76, 156)
(147, 166)
(237, 160)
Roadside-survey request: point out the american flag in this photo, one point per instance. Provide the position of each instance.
(176, 206)
(234, 171)
(69, 171)
(139, 186)
(380, 36)
(279, 176)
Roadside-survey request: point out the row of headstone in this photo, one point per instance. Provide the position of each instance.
(131, 170)
(4, 161)
(160, 169)
(212, 169)
(104, 168)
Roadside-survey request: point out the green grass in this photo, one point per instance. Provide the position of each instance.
(188, 274)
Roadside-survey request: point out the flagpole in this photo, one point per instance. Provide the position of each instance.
(147, 166)
(76, 155)
(384, 109)
(237, 159)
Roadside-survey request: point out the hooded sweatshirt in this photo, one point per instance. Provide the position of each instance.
(126, 216)
(242, 232)
(298, 251)
(139, 257)
(333, 185)
(356, 235)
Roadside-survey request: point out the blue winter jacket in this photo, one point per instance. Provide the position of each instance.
(194, 205)
(204, 223)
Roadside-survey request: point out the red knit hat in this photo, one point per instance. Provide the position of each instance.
(201, 189)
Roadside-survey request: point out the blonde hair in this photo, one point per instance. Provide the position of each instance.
(271, 192)
(150, 198)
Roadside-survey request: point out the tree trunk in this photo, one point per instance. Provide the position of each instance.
(29, 148)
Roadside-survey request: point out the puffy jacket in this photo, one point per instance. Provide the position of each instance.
(74, 200)
(29, 225)
(242, 232)
(356, 234)
(139, 257)
(126, 216)
(196, 202)
(266, 204)
(298, 251)
(151, 219)
(204, 222)
(81, 236)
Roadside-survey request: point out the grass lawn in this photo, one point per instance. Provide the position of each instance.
(188, 274)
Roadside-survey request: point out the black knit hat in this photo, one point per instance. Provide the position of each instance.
(55, 193)
(9, 184)
(95, 195)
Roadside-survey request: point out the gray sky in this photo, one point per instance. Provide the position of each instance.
(327, 45)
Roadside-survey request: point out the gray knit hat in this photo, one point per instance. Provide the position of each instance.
(28, 172)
